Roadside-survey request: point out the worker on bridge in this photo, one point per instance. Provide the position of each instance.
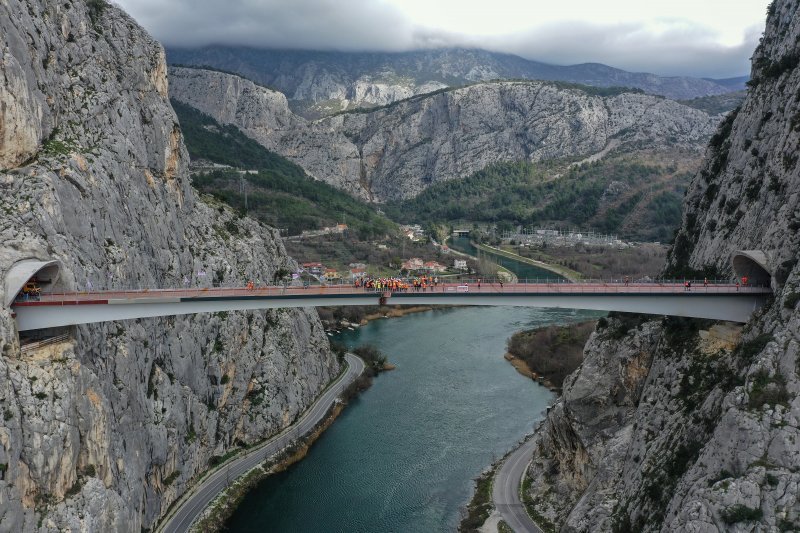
(31, 290)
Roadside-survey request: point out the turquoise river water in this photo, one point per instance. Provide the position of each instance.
(523, 271)
(402, 457)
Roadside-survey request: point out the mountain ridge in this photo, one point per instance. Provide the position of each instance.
(322, 80)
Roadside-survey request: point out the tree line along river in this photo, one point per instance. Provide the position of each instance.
(402, 457)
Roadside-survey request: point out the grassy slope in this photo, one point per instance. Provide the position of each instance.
(281, 194)
(646, 207)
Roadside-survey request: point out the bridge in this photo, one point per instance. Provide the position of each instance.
(720, 302)
(717, 301)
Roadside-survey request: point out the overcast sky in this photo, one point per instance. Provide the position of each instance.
(670, 37)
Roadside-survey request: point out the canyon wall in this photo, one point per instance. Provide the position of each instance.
(102, 431)
(680, 425)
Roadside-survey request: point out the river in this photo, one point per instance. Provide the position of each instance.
(403, 456)
(523, 271)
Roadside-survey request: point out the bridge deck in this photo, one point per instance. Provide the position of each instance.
(716, 301)
(164, 295)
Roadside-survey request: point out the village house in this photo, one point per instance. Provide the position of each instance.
(414, 232)
(314, 268)
(331, 274)
(433, 266)
(460, 264)
(356, 273)
(415, 263)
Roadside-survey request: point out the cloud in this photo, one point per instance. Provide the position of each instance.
(306, 24)
(664, 46)
(679, 49)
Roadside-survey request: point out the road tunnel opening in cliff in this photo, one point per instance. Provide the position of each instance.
(753, 265)
(44, 272)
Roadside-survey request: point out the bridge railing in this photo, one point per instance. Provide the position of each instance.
(476, 285)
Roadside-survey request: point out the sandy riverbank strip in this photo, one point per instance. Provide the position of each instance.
(523, 368)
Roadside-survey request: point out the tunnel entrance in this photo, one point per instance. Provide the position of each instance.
(44, 274)
(752, 264)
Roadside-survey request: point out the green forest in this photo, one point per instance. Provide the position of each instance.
(280, 194)
(523, 193)
(647, 206)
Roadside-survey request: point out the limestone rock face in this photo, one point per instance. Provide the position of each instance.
(102, 431)
(662, 429)
(397, 151)
(235, 100)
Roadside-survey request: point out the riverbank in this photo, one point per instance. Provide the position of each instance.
(333, 326)
(509, 275)
(565, 272)
(228, 501)
(242, 462)
(522, 367)
(549, 354)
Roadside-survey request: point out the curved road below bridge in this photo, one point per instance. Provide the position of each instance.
(506, 489)
(201, 495)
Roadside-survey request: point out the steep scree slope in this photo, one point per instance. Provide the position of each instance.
(104, 430)
(663, 428)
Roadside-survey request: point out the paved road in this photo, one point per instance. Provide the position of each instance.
(505, 492)
(201, 495)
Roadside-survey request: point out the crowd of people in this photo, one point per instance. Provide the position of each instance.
(417, 284)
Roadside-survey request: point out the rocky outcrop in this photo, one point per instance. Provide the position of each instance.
(667, 428)
(102, 431)
(236, 100)
(397, 151)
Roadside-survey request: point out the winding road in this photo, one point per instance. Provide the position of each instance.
(195, 501)
(506, 488)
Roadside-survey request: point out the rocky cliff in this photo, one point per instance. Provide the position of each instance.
(396, 151)
(680, 425)
(328, 81)
(102, 431)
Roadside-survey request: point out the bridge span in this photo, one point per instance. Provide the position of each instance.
(716, 301)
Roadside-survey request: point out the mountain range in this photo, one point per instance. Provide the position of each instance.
(323, 82)
(398, 150)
